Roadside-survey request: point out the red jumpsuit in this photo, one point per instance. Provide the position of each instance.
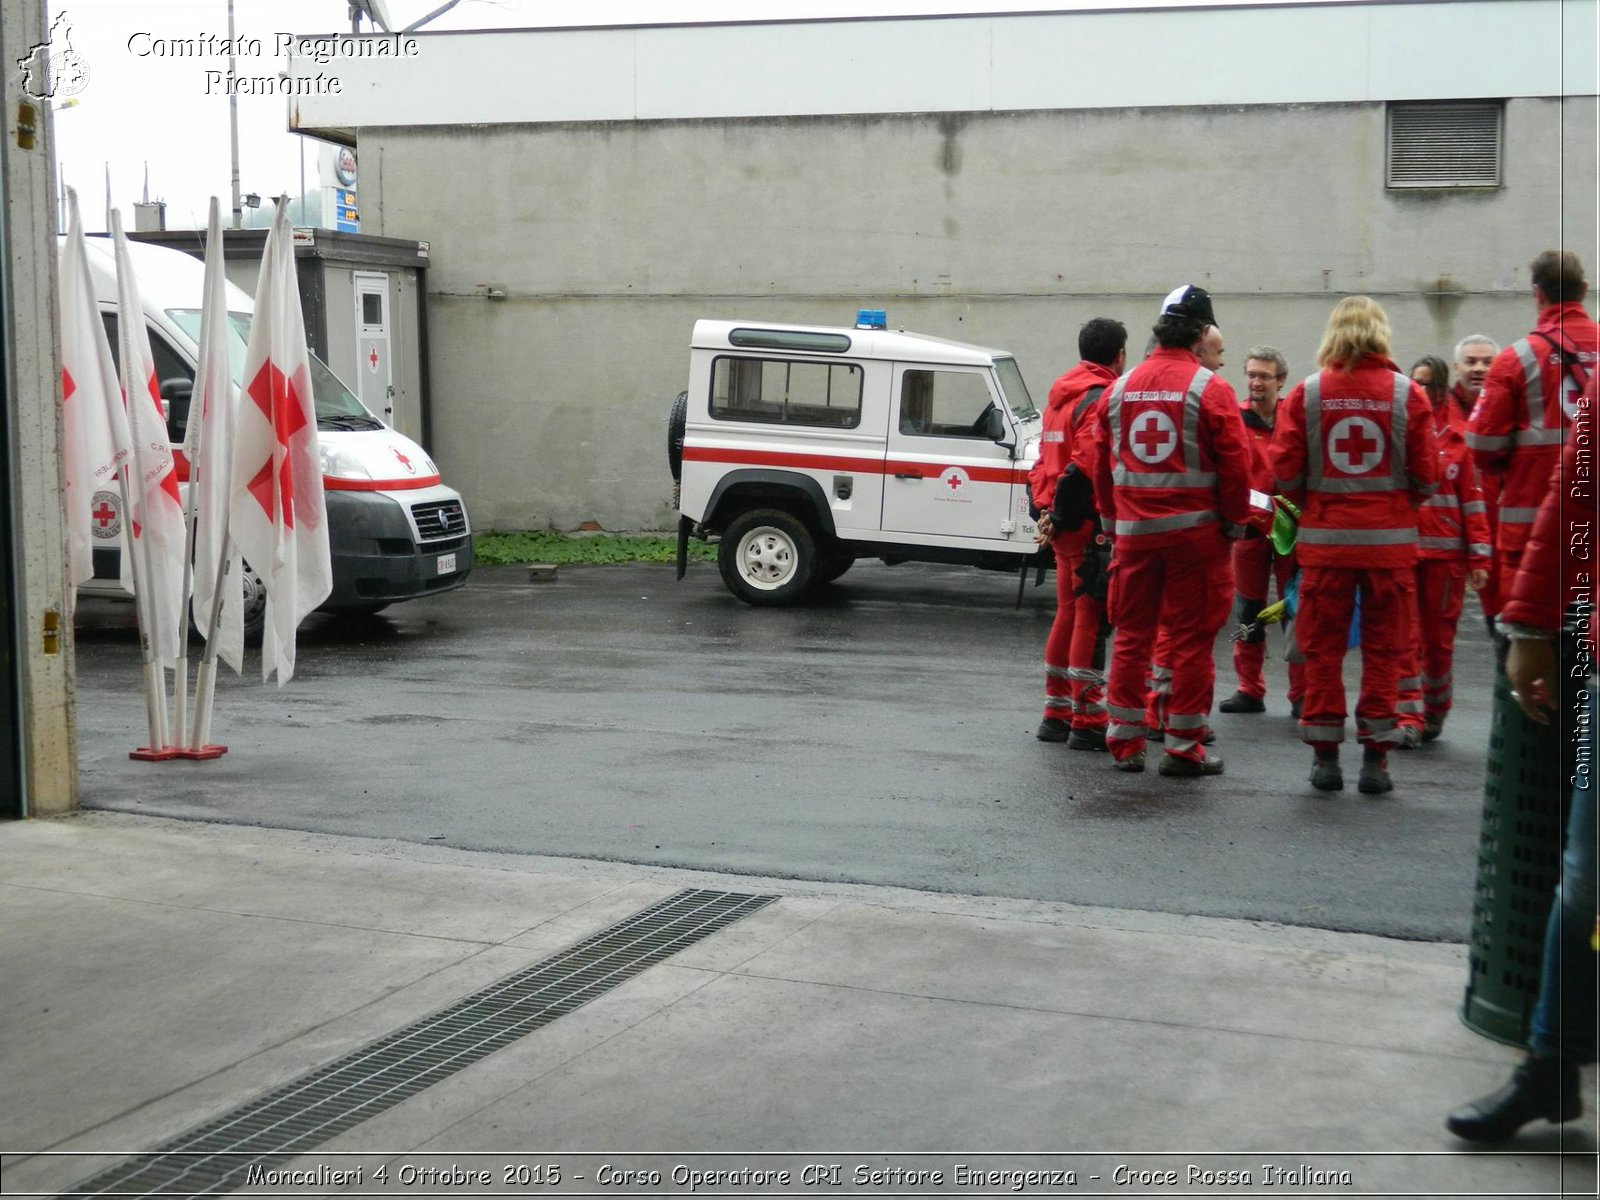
(1174, 466)
(1074, 686)
(1355, 450)
(1520, 421)
(1452, 539)
(1255, 565)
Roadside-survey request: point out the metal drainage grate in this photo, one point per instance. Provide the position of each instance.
(214, 1158)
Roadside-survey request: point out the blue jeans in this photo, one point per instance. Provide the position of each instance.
(1564, 1016)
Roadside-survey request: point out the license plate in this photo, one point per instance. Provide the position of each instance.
(447, 563)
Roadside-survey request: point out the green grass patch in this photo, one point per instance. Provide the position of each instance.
(496, 549)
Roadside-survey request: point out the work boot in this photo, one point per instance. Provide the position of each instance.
(1325, 773)
(1087, 739)
(1053, 729)
(1189, 768)
(1133, 764)
(1540, 1087)
(1432, 727)
(1294, 708)
(1240, 703)
(1374, 779)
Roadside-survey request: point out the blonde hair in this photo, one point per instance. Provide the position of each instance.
(1357, 326)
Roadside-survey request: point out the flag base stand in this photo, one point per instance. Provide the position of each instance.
(145, 754)
(203, 754)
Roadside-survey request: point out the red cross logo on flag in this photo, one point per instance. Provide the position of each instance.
(1152, 437)
(1356, 445)
(280, 403)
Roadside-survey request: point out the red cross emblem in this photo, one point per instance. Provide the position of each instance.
(954, 479)
(372, 357)
(278, 400)
(404, 461)
(1152, 437)
(106, 514)
(1355, 445)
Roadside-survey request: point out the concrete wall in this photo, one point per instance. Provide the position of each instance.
(1008, 229)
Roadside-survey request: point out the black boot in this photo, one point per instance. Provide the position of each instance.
(1540, 1087)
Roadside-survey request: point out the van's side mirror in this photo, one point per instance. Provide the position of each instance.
(176, 396)
(995, 428)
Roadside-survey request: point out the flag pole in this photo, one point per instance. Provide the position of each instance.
(155, 678)
(205, 683)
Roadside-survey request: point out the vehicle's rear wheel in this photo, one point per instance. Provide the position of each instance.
(767, 557)
(677, 421)
(255, 604)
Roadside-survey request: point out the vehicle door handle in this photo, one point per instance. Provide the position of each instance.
(907, 475)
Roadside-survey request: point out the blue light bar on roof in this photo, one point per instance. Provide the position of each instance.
(871, 318)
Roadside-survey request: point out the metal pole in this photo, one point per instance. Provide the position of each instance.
(233, 124)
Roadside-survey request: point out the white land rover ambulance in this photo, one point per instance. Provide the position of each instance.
(804, 447)
(395, 530)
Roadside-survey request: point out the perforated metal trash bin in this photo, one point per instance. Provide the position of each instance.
(1525, 796)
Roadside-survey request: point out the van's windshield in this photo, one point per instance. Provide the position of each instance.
(1016, 391)
(337, 405)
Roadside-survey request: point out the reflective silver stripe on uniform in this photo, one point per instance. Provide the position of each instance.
(1053, 435)
(1533, 387)
(1114, 416)
(1122, 477)
(1313, 398)
(1181, 746)
(1358, 537)
(1480, 550)
(1539, 437)
(1446, 500)
(1085, 675)
(1128, 716)
(1186, 721)
(1480, 441)
(1412, 707)
(1397, 434)
(1164, 524)
(1439, 543)
(1057, 672)
(1389, 737)
(1322, 733)
(1410, 682)
(1518, 516)
(1089, 708)
(1291, 485)
(1472, 507)
(1347, 484)
(1125, 733)
(1058, 702)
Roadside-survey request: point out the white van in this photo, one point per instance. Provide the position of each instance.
(394, 530)
(800, 448)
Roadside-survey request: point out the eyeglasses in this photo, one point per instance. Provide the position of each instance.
(1261, 375)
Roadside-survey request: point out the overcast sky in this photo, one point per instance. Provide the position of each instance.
(138, 107)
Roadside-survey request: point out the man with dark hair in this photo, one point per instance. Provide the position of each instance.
(1074, 686)
(1520, 421)
(1173, 471)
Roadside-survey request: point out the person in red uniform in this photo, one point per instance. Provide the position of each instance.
(1354, 449)
(1453, 554)
(1074, 704)
(1173, 473)
(1255, 564)
(1474, 355)
(1520, 421)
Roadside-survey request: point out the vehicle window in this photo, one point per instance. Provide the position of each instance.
(169, 364)
(1016, 391)
(944, 403)
(783, 392)
(337, 405)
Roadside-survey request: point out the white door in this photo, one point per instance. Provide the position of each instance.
(374, 367)
(943, 473)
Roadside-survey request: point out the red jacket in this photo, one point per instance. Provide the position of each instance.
(1174, 460)
(1260, 448)
(1355, 450)
(1559, 561)
(1453, 523)
(1062, 422)
(1457, 408)
(1521, 418)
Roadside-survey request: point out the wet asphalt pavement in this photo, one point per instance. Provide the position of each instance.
(881, 735)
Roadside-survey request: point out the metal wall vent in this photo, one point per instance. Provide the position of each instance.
(1445, 144)
(215, 1157)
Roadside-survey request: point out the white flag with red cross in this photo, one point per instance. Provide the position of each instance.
(209, 448)
(94, 425)
(277, 513)
(155, 528)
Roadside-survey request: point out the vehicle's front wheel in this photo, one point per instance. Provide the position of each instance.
(255, 604)
(767, 557)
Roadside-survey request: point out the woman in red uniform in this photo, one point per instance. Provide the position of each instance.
(1354, 449)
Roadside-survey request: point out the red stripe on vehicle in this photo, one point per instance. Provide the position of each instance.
(835, 462)
(378, 485)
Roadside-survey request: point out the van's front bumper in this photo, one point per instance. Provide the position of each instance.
(396, 545)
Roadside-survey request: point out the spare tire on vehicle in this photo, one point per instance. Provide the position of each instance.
(676, 421)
